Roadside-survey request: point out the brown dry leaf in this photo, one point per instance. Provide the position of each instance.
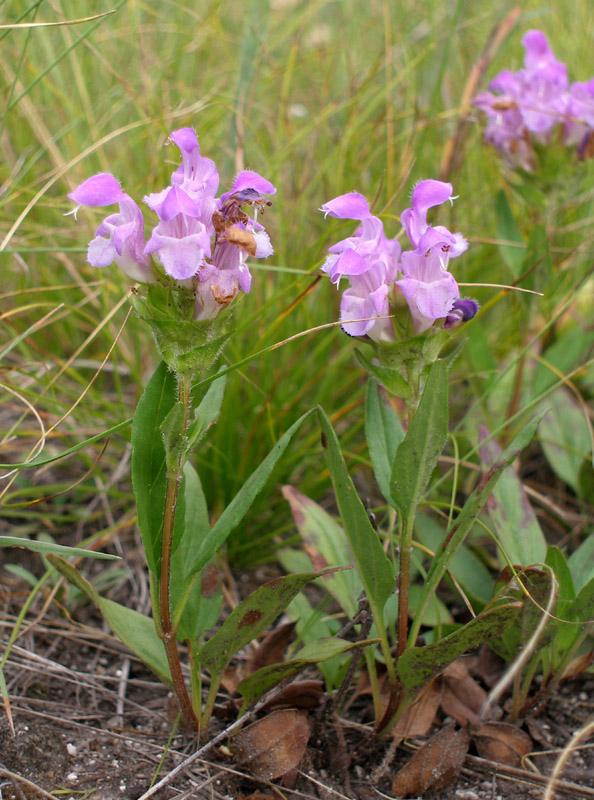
(490, 666)
(272, 746)
(419, 717)
(272, 649)
(501, 742)
(257, 796)
(232, 678)
(435, 765)
(577, 665)
(462, 697)
(300, 694)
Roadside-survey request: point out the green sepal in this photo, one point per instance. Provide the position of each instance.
(186, 345)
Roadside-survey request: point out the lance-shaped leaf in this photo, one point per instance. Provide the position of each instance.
(51, 547)
(384, 433)
(326, 545)
(207, 412)
(254, 686)
(463, 523)
(149, 473)
(135, 630)
(196, 596)
(240, 504)
(418, 453)
(373, 565)
(417, 665)
(250, 618)
(510, 511)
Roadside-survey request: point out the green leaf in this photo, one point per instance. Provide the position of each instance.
(250, 618)
(237, 508)
(510, 512)
(207, 412)
(257, 684)
(138, 633)
(417, 665)
(478, 352)
(563, 355)
(532, 589)
(326, 545)
(384, 433)
(135, 630)
(557, 561)
(313, 624)
(581, 563)
(149, 473)
(196, 595)
(390, 378)
(463, 523)
(49, 547)
(373, 565)
(418, 453)
(508, 231)
(468, 570)
(565, 437)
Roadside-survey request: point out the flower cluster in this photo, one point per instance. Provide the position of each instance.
(527, 106)
(379, 271)
(200, 241)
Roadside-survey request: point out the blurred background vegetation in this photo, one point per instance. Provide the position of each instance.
(322, 97)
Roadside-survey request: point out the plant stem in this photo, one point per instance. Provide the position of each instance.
(404, 584)
(168, 634)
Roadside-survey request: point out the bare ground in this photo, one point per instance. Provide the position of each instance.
(90, 721)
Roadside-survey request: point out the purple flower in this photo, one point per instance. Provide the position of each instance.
(120, 237)
(423, 237)
(377, 270)
(370, 261)
(580, 112)
(428, 288)
(201, 241)
(528, 105)
(462, 311)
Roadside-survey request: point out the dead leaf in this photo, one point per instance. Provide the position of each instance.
(577, 665)
(435, 765)
(232, 678)
(272, 746)
(462, 697)
(490, 666)
(300, 694)
(501, 742)
(272, 649)
(418, 719)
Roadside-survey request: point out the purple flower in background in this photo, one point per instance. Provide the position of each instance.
(200, 240)
(378, 271)
(526, 106)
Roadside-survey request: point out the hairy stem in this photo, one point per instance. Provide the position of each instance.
(168, 634)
